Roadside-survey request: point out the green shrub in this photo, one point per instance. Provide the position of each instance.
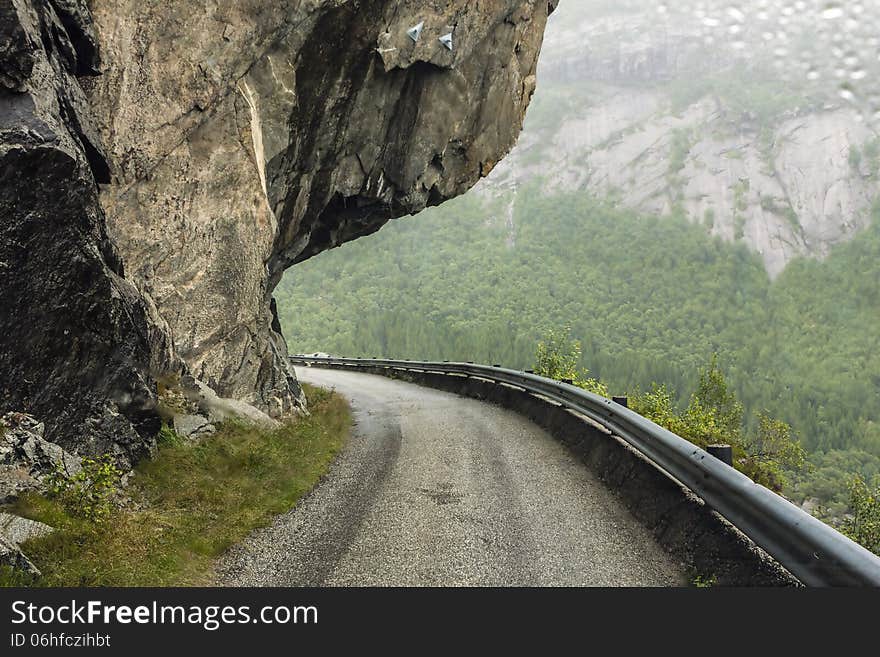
(714, 396)
(558, 357)
(767, 454)
(862, 524)
(89, 493)
(704, 581)
(658, 406)
(715, 415)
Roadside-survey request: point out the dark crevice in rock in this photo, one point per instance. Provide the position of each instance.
(97, 162)
(76, 19)
(96, 159)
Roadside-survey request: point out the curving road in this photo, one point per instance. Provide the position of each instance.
(438, 490)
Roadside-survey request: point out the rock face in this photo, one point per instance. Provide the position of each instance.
(646, 114)
(76, 342)
(255, 135)
(17, 530)
(13, 532)
(229, 141)
(11, 555)
(193, 426)
(26, 457)
(782, 203)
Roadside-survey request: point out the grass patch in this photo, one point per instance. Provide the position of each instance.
(190, 503)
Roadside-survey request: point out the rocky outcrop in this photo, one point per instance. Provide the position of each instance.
(229, 141)
(27, 458)
(13, 532)
(193, 427)
(769, 190)
(76, 341)
(12, 556)
(214, 409)
(256, 135)
(17, 530)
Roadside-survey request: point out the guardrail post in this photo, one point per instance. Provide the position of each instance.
(723, 453)
(622, 400)
(568, 381)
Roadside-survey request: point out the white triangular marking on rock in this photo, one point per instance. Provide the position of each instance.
(415, 33)
(446, 40)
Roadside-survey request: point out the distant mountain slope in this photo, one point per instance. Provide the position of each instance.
(650, 298)
(658, 113)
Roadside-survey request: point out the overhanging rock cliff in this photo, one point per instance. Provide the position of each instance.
(230, 141)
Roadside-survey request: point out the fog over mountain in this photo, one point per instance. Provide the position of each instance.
(757, 120)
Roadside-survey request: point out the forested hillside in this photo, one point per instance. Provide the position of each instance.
(692, 179)
(651, 298)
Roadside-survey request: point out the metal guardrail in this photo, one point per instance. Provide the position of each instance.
(813, 552)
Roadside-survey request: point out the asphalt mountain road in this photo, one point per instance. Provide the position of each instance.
(438, 490)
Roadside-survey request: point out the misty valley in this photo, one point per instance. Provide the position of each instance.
(681, 189)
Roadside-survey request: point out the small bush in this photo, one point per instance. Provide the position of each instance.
(769, 453)
(557, 357)
(715, 415)
(862, 524)
(89, 493)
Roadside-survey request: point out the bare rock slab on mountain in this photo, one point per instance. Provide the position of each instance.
(17, 530)
(14, 531)
(193, 426)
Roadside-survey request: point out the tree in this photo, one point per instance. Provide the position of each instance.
(772, 450)
(715, 415)
(558, 357)
(658, 406)
(863, 521)
(714, 396)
